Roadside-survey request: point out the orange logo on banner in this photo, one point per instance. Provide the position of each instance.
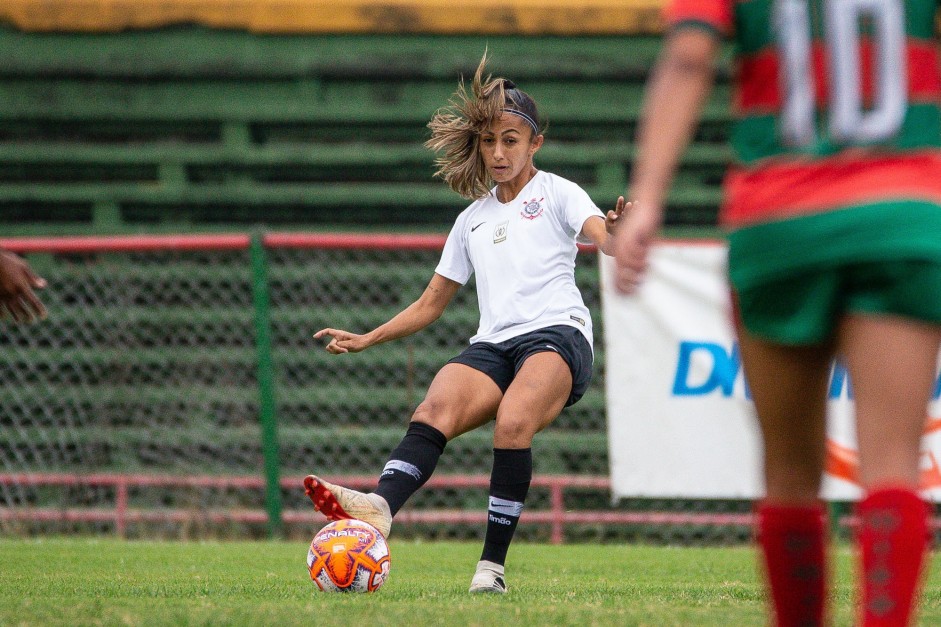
(843, 462)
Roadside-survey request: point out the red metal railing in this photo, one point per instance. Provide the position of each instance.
(233, 241)
(121, 514)
(125, 243)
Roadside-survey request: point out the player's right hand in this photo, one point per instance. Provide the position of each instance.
(343, 341)
(17, 282)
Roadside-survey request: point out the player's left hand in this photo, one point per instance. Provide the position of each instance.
(611, 218)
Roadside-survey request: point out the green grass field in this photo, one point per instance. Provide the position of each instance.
(109, 582)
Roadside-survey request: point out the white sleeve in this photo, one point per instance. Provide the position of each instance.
(577, 207)
(455, 262)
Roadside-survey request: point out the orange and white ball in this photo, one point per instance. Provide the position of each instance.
(349, 556)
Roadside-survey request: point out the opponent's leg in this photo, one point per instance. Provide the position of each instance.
(459, 399)
(532, 402)
(789, 387)
(892, 363)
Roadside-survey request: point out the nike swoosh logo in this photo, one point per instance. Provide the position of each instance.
(474, 228)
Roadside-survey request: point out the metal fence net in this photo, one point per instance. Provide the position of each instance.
(147, 366)
(144, 366)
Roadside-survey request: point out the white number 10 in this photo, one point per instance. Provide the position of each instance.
(849, 121)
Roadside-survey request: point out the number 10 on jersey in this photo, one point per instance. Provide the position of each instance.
(850, 120)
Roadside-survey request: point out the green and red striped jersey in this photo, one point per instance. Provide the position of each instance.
(836, 103)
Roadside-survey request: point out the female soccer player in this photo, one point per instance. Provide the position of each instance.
(532, 354)
(834, 214)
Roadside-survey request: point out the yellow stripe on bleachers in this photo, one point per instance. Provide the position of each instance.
(529, 17)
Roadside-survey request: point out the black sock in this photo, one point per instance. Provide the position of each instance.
(509, 483)
(410, 464)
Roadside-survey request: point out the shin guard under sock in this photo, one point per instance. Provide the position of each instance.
(792, 540)
(509, 484)
(893, 538)
(410, 464)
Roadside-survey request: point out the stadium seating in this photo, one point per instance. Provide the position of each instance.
(192, 128)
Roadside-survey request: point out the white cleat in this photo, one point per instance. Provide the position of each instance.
(339, 503)
(488, 579)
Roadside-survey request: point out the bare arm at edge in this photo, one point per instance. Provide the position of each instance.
(18, 301)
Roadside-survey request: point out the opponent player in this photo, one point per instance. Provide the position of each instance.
(18, 301)
(532, 354)
(834, 213)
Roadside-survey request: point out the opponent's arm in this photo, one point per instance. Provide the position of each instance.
(674, 99)
(428, 308)
(17, 282)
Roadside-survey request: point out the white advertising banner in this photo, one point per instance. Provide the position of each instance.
(680, 419)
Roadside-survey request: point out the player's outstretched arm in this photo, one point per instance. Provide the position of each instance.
(673, 101)
(428, 308)
(18, 301)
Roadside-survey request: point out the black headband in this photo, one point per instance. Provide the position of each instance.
(525, 116)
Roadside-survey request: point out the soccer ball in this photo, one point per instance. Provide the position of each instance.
(348, 556)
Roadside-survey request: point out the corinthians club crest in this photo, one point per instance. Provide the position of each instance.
(532, 209)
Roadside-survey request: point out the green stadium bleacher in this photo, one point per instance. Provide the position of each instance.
(186, 127)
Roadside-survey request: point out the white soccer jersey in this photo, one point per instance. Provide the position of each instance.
(523, 253)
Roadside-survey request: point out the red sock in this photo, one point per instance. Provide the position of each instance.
(893, 539)
(792, 541)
